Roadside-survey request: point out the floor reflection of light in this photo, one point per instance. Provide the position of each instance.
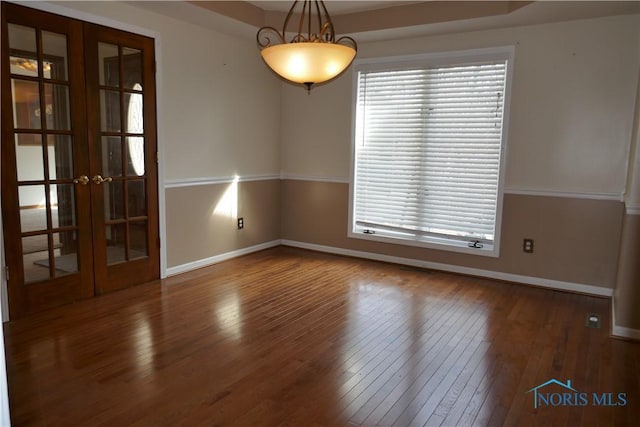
(396, 341)
(143, 342)
(228, 203)
(370, 303)
(228, 316)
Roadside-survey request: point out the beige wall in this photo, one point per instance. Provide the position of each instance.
(201, 220)
(576, 240)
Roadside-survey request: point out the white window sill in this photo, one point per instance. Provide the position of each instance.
(429, 242)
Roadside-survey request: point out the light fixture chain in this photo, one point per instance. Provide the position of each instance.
(301, 23)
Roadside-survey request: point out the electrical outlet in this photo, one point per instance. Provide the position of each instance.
(527, 246)
(593, 321)
(240, 223)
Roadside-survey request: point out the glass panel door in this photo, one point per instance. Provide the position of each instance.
(120, 81)
(79, 173)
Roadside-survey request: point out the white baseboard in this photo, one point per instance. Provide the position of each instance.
(536, 281)
(621, 331)
(183, 268)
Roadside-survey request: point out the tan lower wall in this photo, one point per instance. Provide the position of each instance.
(201, 222)
(576, 240)
(627, 292)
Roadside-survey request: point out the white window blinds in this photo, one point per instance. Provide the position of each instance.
(427, 151)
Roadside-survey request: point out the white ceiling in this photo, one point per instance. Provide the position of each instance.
(334, 7)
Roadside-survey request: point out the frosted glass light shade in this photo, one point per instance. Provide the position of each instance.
(308, 62)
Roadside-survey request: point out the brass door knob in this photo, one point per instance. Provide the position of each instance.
(97, 179)
(84, 180)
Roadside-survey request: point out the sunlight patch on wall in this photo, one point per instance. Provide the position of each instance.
(228, 203)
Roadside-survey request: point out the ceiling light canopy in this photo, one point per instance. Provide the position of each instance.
(311, 58)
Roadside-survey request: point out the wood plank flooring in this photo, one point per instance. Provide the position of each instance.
(287, 337)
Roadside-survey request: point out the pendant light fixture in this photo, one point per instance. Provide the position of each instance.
(313, 55)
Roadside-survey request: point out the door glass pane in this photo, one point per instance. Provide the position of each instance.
(29, 157)
(137, 203)
(57, 106)
(26, 104)
(109, 111)
(54, 49)
(113, 200)
(22, 45)
(134, 114)
(60, 156)
(33, 212)
(112, 155)
(135, 155)
(138, 239)
(116, 238)
(35, 258)
(109, 69)
(65, 253)
(64, 214)
(132, 61)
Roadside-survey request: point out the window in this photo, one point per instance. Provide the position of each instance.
(429, 143)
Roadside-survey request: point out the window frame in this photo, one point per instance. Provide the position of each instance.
(448, 58)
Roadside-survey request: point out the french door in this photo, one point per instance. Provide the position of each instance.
(79, 163)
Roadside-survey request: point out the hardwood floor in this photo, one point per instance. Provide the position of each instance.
(287, 337)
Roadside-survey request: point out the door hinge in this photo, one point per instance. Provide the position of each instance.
(157, 157)
(6, 273)
(158, 242)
